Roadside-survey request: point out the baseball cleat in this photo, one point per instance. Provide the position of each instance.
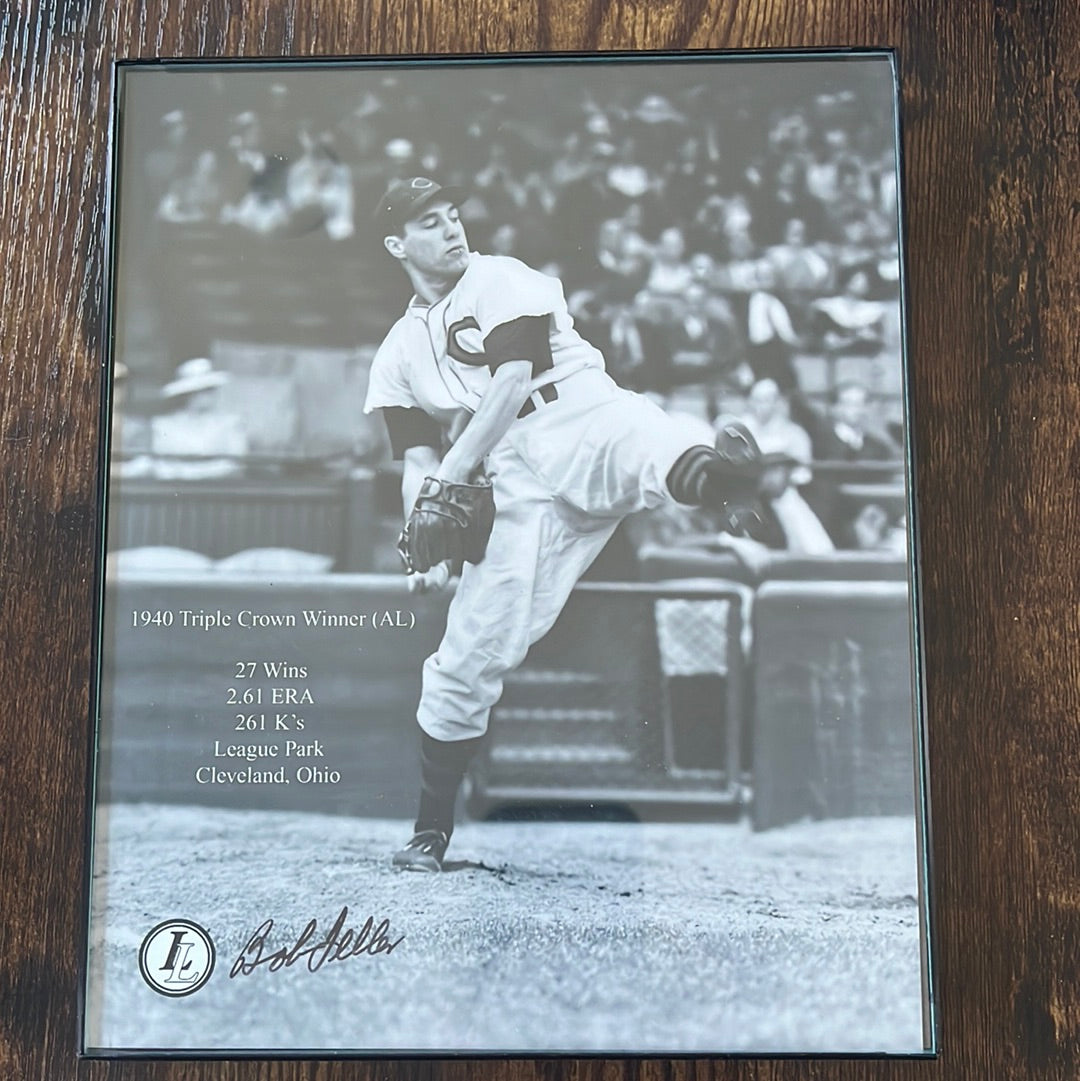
(423, 853)
(736, 445)
(741, 521)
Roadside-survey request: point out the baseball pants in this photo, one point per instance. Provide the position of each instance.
(563, 480)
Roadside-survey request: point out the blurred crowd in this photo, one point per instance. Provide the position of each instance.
(704, 246)
(696, 244)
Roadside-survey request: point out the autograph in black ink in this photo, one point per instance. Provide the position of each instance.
(336, 945)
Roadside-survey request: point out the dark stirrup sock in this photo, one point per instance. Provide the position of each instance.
(687, 476)
(695, 477)
(442, 768)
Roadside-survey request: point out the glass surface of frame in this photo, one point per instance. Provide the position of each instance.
(639, 768)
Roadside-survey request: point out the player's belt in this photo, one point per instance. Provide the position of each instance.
(546, 394)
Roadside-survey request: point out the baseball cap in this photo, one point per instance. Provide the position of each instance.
(404, 199)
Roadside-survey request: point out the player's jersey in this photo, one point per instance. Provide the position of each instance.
(433, 357)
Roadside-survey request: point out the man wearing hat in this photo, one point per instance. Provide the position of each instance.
(485, 372)
(196, 439)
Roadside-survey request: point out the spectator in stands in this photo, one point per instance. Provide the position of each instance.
(504, 240)
(800, 269)
(749, 283)
(851, 322)
(705, 343)
(400, 156)
(194, 196)
(502, 192)
(778, 191)
(672, 316)
(661, 300)
(170, 157)
(770, 332)
(130, 434)
(854, 212)
(261, 204)
(670, 274)
(828, 150)
(707, 227)
(790, 209)
(603, 308)
(197, 439)
(658, 128)
(623, 252)
(702, 268)
(685, 185)
(571, 165)
(871, 531)
(742, 272)
(584, 201)
(768, 418)
(318, 182)
(738, 216)
(847, 434)
(789, 133)
(628, 175)
(788, 522)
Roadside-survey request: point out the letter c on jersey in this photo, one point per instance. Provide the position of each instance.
(457, 351)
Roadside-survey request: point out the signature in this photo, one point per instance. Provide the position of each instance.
(337, 944)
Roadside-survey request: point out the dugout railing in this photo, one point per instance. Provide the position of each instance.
(281, 504)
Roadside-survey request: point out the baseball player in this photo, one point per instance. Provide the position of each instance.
(486, 361)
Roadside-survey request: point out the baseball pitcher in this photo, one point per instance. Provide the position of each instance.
(546, 456)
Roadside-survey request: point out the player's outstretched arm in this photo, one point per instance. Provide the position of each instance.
(417, 463)
(501, 403)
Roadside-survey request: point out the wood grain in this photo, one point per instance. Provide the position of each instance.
(991, 125)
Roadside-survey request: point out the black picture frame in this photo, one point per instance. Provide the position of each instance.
(122, 493)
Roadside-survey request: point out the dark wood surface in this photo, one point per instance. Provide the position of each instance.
(991, 124)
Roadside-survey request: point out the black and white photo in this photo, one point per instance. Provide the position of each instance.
(508, 636)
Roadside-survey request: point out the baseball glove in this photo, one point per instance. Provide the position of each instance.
(448, 521)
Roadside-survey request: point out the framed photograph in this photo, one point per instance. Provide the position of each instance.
(508, 635)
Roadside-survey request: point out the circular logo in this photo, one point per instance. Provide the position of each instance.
(176, 958)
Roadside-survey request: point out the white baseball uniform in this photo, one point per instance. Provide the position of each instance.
(581, 455)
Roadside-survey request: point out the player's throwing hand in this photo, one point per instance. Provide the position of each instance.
(431, 581)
